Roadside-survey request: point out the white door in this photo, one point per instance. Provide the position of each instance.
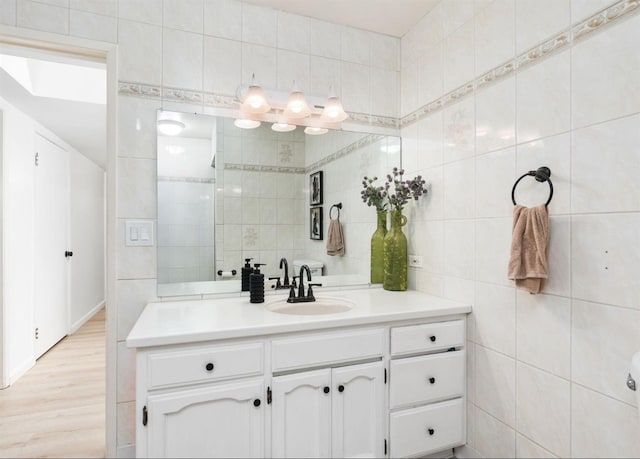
(358, 410)
(214, 421)
(51, 220)
(301, 415)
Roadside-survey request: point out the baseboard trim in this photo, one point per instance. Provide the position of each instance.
(466, 451)
(84, 319)
(17, 373)
(128, 451)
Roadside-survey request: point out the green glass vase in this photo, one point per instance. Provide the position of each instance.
(395, 254)
(377, 249)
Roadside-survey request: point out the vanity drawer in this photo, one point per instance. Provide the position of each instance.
(427, 337)
(427, 429)
(201, 364)
(326, 348)
(427, 378)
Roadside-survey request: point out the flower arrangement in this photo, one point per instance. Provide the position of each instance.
(396, 192)
(373, 195)
(399, 191)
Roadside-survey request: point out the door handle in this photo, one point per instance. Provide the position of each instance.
(68, 254)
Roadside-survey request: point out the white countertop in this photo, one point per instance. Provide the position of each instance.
(177, 322)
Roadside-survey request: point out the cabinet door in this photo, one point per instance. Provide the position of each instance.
(212, 421)
(301, 415)
(358, 410)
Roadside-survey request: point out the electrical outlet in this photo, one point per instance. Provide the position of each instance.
(415, 261)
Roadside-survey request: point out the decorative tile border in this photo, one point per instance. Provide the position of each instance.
(261, 168)
(554, 44)
(360, 143)
(550, 46)
(165, 178)
(210, 99)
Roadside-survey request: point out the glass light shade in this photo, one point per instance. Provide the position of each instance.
(255, 101)
(283, 127)
(170, 127)
(297, 106)
(333, 111)
(315, 130)
(244, 123)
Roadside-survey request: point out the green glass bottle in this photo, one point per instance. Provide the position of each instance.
(377, 249)
(395, 254)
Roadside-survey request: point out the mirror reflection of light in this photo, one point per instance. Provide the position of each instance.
(237, 190)
(175, 149)
(390, 148)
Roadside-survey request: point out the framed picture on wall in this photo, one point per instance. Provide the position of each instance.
(315, 223)
(315, 188)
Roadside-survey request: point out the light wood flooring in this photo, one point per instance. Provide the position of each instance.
(57, 409)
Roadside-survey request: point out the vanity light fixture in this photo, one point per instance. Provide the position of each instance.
(170, 127)
(333, 111)
(297, 106)
(245, 123)
(283, 127)
(255, 101)
(315, 130)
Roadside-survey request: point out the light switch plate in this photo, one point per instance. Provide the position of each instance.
(415, 261)
(138, 233)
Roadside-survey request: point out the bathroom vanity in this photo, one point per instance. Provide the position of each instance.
(226, 378)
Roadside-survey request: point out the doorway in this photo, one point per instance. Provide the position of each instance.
(72, 50)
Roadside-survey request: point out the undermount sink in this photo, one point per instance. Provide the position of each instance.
(323, 305)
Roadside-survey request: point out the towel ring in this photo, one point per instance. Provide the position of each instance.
(338, 206)
(542, 174)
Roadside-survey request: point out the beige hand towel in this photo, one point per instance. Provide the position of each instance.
(335, 238)
(530, 238)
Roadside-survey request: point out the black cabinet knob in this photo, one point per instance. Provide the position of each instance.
(432, 380)
(326, 389)
(340, 388)
(209, 366)
(256, 402)
(432, 338)
(431, 431)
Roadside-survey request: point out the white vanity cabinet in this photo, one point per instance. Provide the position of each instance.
(427, 388)
(201, 401)
(212, 421)
(336, 412)
(389, 387)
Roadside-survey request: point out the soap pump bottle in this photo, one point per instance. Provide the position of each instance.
(247, 270)
(256, 285)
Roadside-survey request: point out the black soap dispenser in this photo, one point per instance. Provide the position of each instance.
(247, 270)
(256, 285)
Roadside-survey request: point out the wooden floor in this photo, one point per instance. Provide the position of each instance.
(57, 409)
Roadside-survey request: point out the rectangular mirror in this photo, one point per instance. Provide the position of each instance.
(226, 194)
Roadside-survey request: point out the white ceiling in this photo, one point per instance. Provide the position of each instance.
(389, 17)
(80, 124)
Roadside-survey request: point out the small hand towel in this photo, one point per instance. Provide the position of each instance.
(529, 242)
(335, 238)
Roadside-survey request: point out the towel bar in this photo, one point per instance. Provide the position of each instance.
(542, 174)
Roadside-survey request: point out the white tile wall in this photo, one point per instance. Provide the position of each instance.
(575, 111)
(603, 83)
(544, 409)
(493, 438)
(601, 426)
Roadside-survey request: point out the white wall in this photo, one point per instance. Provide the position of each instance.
(87, 290)
(18, 211)
(546, 373)
(87, 239)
